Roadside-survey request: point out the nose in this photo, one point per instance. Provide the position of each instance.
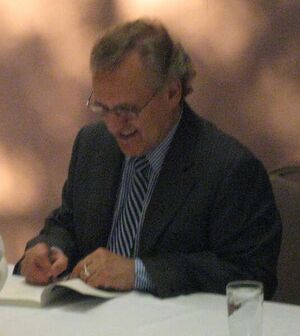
(115, 122)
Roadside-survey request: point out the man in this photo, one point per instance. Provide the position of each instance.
(156, 198)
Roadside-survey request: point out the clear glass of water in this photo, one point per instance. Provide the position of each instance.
(3, 265)
(245, 308)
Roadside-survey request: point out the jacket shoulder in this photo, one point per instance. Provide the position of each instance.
(94, 137)
(215, 146)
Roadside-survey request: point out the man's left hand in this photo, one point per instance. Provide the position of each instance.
(103, 268)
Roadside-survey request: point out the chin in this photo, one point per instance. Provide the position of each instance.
(132, 151)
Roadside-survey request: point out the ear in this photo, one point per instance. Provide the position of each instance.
(174, 92)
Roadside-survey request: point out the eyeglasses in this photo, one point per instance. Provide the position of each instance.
(125, 110)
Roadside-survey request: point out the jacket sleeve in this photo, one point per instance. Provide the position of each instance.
(58, 228)
(243, 238)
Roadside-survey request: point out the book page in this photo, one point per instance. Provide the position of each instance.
(81, 287)
(17, 291)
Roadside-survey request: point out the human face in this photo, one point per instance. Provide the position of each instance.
(128, 85)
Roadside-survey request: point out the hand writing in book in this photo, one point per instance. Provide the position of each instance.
(42, 264)
(105, 269)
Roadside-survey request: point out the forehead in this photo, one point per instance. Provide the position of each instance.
(129, 79)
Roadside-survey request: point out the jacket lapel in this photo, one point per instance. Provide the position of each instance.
(176, 179)
(106, 172)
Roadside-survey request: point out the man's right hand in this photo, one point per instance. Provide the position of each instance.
(42, 264)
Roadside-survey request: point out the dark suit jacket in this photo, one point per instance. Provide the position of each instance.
(211, 218)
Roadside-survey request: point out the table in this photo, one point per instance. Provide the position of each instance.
(139, 314)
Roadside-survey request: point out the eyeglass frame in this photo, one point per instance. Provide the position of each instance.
(117, 110)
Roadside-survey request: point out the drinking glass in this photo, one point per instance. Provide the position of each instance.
(3, 265)
(244, 307)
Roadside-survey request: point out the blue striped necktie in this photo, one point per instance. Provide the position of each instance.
(123, 239)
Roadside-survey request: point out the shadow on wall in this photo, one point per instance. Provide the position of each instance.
(247, 59)
(257, 98)
(44, 82)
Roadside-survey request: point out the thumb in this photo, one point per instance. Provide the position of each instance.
(59, 261)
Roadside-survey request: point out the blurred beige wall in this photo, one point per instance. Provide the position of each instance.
(246, 54)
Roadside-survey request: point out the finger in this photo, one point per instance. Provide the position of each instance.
(38, 279)
(36, 275)
(35, 266)
(76, 270)
(40, 255)
(96, 280)
(59, 266)
(43, 263)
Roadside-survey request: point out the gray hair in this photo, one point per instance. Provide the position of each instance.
(166, 59)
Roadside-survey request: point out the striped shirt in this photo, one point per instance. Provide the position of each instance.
(155, 158)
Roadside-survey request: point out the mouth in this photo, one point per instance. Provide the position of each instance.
(127, 135)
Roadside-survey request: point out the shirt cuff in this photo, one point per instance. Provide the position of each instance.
(143, 280)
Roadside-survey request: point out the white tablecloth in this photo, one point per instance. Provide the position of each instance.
(141, 315)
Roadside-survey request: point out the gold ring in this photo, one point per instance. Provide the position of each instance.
(86, 271)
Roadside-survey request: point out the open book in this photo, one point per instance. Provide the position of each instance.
(17, 292)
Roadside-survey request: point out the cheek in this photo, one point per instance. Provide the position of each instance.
(148, 130)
